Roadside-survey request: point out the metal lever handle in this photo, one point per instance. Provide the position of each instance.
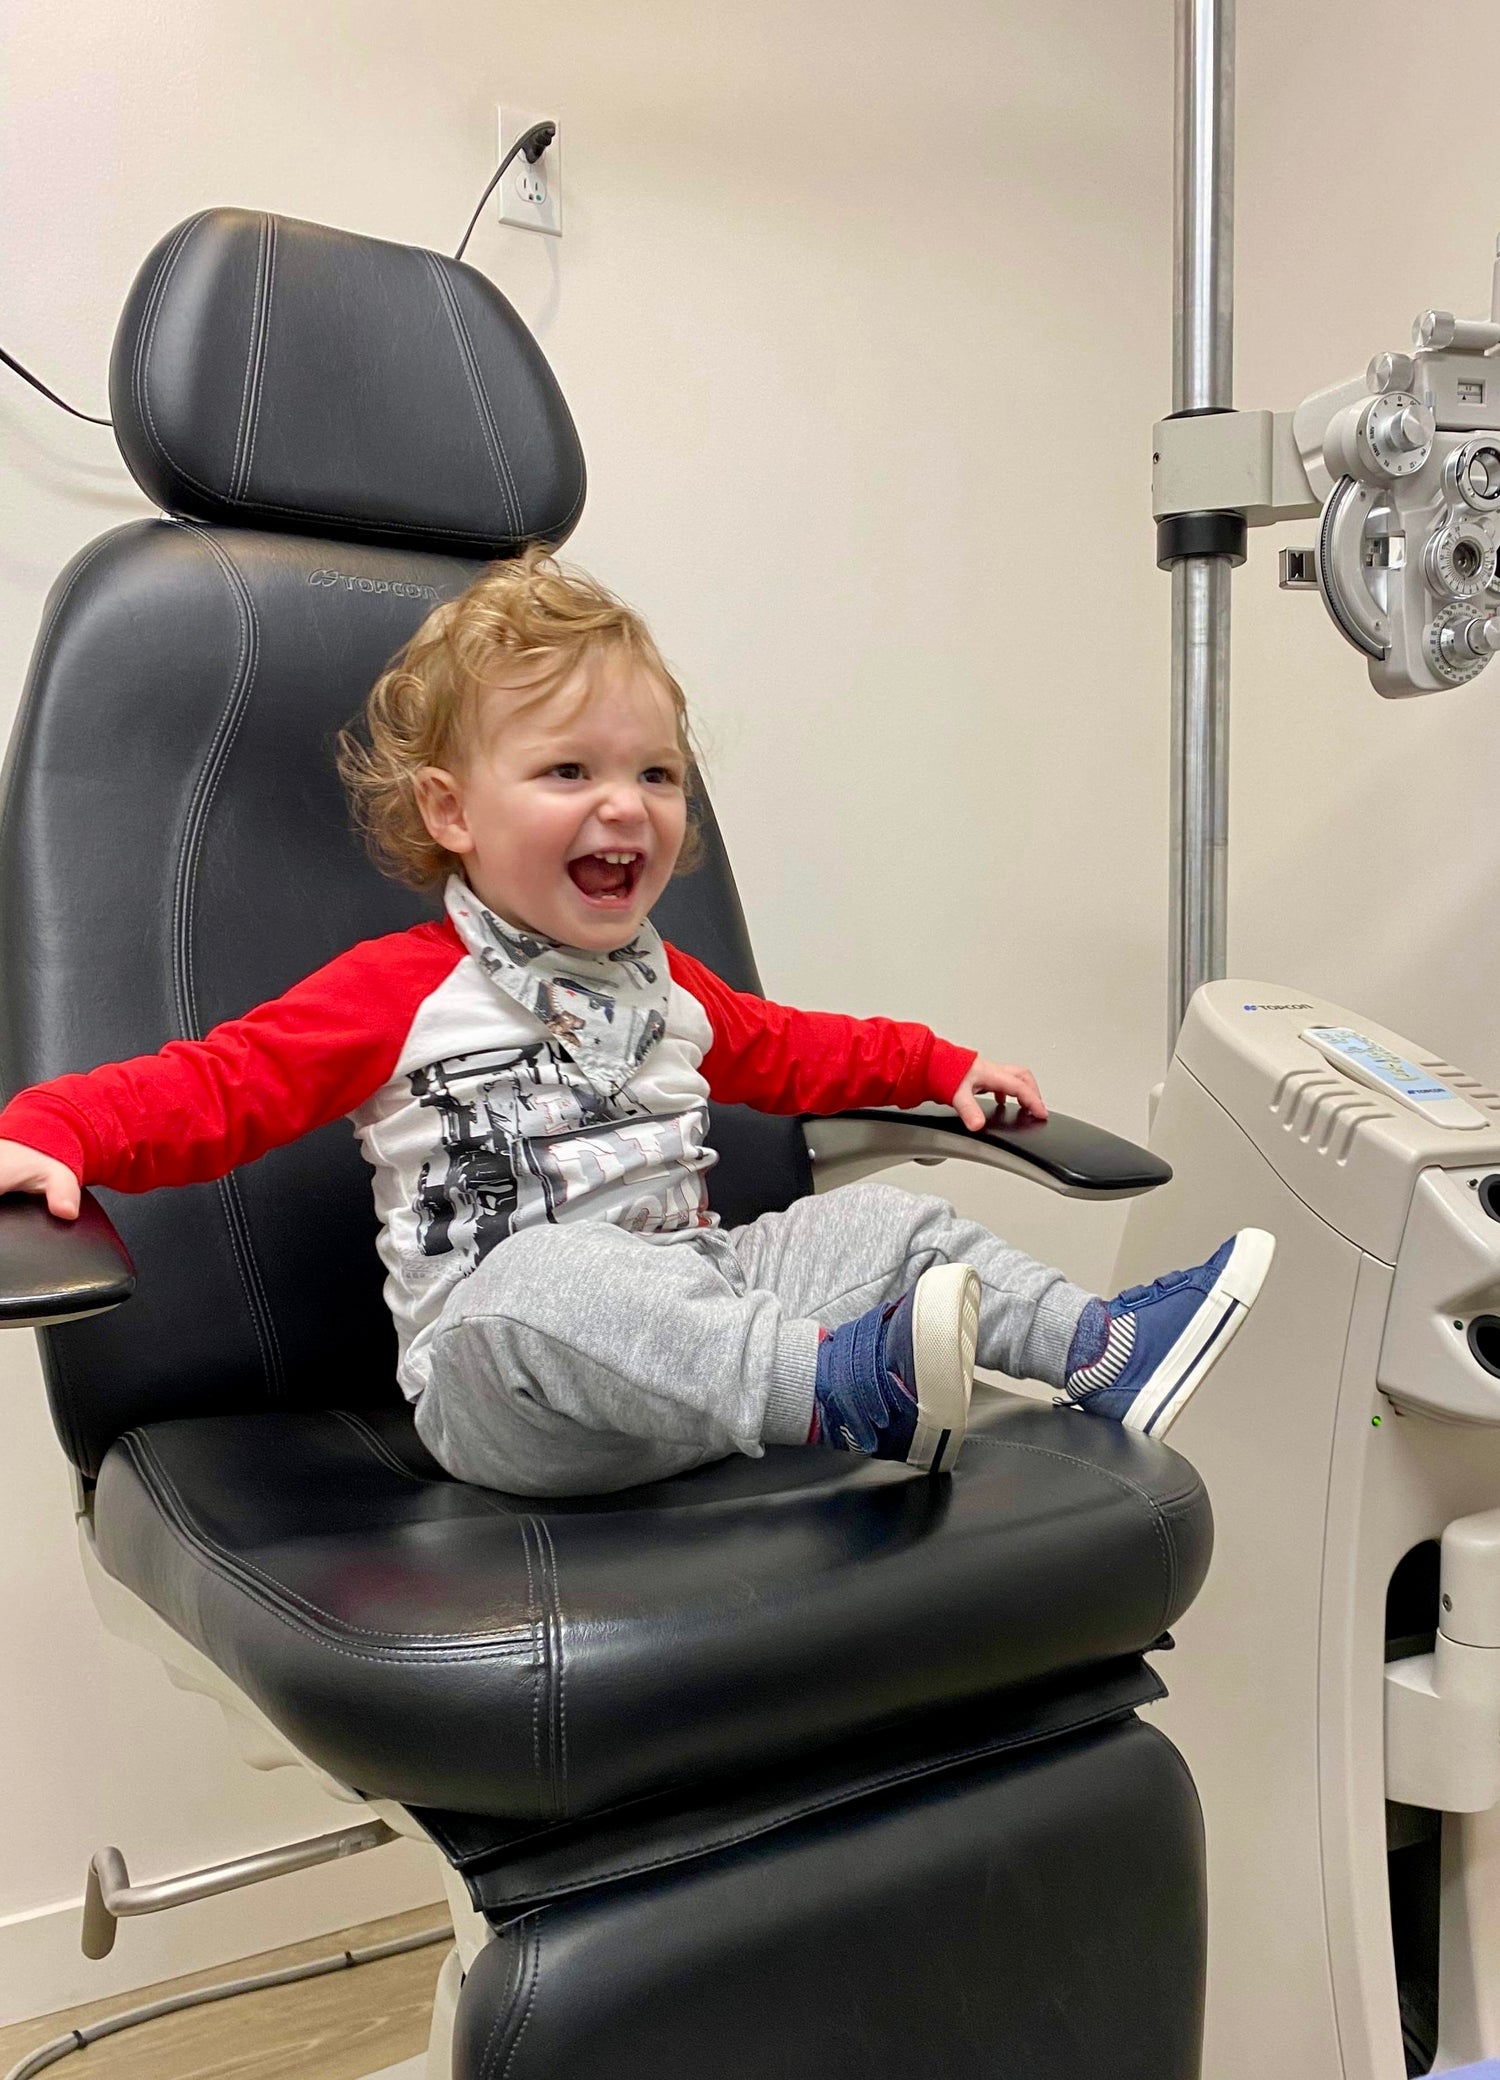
(109, 1895)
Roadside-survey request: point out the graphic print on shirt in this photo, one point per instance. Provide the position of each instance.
(566, 1003)
(528, 1139)
(605, 1010)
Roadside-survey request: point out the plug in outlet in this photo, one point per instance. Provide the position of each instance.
(530, 195)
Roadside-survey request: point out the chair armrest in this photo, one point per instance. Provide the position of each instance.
(1067, 1155)
(55, 1271)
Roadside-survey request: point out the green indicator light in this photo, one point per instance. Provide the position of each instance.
(1375, 1422)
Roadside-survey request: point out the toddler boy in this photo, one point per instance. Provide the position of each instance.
(529, 1077)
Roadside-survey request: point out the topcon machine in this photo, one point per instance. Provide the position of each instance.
(1338, 1690)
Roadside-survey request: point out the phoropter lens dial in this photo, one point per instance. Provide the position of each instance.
(1397, 431)
(1460, 557)
(1472, 474)
(1461, 642)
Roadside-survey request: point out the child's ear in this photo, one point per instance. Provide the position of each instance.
(441, 805)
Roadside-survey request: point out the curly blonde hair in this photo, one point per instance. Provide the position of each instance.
(526, 625)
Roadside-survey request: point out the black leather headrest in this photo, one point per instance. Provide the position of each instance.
(277, 374)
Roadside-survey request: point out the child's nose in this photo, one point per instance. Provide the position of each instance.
(624, 804)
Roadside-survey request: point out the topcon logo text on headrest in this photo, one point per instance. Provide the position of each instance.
(393, 586)
(1278, 1007)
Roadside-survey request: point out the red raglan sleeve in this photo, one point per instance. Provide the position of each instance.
(782, 1060)
(201, 1107)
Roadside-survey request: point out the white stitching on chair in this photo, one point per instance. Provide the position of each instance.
(536, 1654)
(140, 370)
(534, 1936)
(265, 347)
(252, 356)
(546, 1774)
(285, 1604)
(184, 981)
(377, 1447)
(487, 426)
(144, 346)
(560, 1670)
(1154, 1505)
(505, 2007)
(547, 1635)
(141, 387)
(259, 1299)
(487, 412)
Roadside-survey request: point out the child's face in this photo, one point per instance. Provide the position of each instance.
(569, 816)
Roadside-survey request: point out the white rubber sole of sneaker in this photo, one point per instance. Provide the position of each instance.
(944, 1332)
(1206, 1338)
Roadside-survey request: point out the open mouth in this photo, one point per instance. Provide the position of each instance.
(607, 878)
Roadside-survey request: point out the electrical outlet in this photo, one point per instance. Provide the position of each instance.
(530, 194)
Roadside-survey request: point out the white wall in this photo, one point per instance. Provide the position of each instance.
(1365, 840)
(863, 313)
(844, 292)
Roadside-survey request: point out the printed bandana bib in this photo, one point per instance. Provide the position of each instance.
(606, 1011)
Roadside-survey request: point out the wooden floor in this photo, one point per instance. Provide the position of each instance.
(335, 2028)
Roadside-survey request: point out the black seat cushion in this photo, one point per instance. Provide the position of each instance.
(447, 1646)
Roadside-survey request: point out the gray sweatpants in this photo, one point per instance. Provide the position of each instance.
(578, 1360)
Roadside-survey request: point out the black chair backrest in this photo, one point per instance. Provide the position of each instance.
(340, 430)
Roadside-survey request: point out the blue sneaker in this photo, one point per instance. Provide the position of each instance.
(895, 1382)
(1155, 1345)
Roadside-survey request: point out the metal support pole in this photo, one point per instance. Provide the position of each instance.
(1202, 380)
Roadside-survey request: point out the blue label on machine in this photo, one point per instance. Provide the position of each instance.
(1393, 1070)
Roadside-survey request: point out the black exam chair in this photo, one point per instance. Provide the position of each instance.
(804, 1766)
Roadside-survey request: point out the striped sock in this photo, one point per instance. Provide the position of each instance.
(1092, 1363)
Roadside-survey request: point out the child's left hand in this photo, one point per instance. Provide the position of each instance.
(1004, 1080)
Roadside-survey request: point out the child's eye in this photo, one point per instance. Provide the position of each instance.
(566, 769)
(661, 776)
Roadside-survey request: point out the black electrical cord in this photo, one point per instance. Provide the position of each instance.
(533, 143)
(37, 384)
(91, 2032)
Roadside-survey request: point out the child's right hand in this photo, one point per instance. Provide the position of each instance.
(24, 1169)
